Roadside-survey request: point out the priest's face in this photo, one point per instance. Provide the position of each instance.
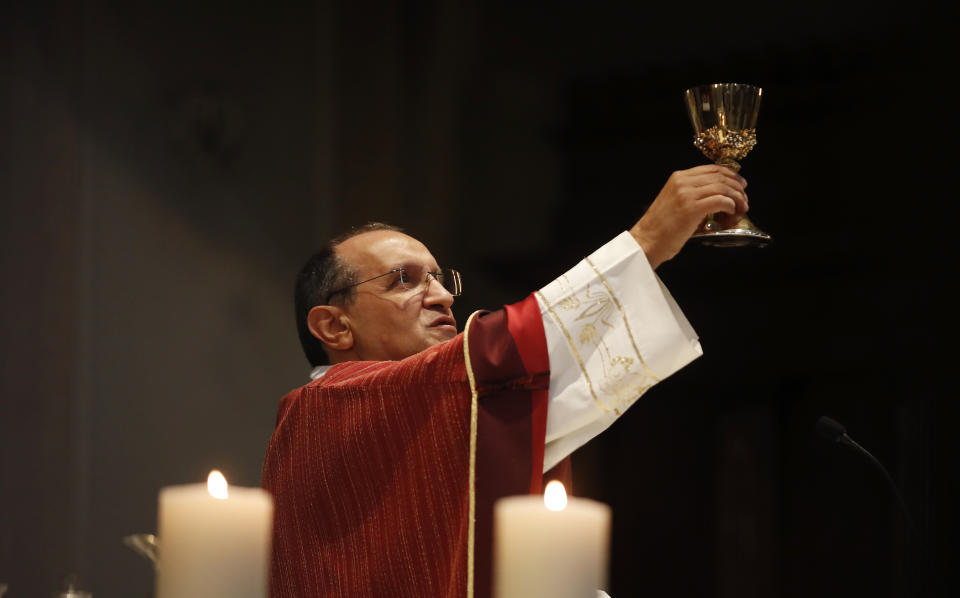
(388, 321)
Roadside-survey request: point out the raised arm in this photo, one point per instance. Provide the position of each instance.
(613, 331)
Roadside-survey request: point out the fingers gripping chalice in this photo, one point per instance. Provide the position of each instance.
(724, 117)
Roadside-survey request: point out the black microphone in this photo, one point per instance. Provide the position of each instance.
(834, 432)
(928, 579)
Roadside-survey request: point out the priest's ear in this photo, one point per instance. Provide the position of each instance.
(327, 323)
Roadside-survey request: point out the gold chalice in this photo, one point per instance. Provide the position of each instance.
(724, 118)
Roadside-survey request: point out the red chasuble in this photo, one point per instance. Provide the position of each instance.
(384, 474)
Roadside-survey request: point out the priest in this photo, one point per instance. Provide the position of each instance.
(384, 469)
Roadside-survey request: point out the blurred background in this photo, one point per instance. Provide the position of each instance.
(167, 167)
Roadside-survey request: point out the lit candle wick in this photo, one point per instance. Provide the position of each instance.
(217, 484)
(554, 496)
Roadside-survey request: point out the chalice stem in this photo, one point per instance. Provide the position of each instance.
(729, 163)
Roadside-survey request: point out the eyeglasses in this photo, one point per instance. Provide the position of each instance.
(409, 279)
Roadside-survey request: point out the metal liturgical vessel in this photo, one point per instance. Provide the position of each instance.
(724, 118)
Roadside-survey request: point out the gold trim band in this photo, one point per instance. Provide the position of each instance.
(472, 523)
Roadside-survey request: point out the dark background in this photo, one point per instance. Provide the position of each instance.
(165, 169)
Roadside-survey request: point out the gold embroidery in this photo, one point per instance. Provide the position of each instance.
(472, 522)
(622, 384)
(593, 308)
(625, 322)
(596, 309)
(588, 334)
(568, 303)
(573, 348)
(570, 300)
(615, 369)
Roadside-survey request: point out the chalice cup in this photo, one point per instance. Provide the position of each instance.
(724, 118)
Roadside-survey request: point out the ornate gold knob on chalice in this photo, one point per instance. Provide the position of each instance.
(724, 118)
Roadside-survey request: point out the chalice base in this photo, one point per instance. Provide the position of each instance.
(743, 234)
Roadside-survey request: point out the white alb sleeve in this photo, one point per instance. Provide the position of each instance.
(612, 331)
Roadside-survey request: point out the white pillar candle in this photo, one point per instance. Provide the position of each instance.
(213, 547)
(545, 553)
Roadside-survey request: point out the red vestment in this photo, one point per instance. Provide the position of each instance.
(384, 474)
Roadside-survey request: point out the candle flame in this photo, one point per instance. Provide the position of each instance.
(554, 496)
(217, 484)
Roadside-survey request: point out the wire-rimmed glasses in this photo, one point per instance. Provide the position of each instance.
(410, 278)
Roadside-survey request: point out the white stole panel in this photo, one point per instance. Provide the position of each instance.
(613, 331)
